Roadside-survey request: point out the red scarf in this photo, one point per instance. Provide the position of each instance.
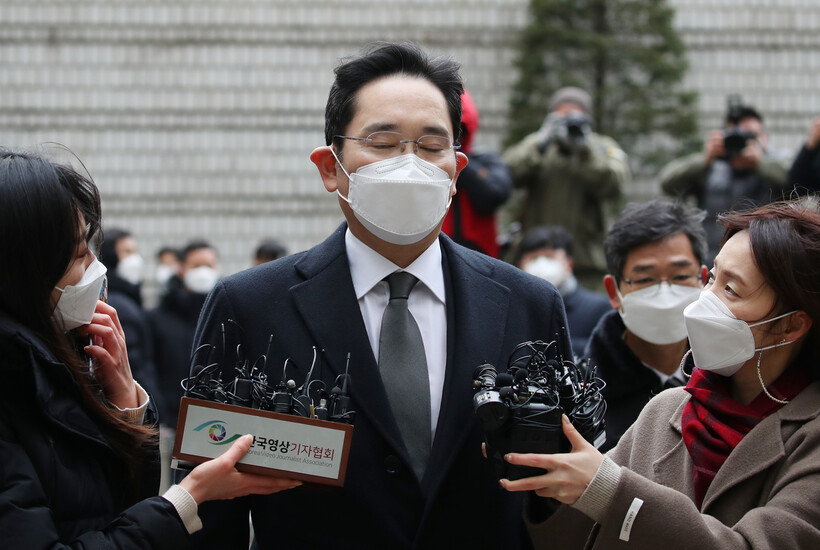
(713, 423)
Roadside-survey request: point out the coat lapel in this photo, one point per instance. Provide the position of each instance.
(674, 469)
(472, 298)
(763, 446)
(326, 300)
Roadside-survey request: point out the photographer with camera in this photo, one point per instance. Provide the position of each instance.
(568, 176)
(733, 171)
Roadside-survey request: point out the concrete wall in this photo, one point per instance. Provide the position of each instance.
(196, 117)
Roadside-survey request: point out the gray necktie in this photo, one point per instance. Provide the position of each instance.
(403, 367)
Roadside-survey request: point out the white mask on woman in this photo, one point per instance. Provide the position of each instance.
(656, 314)
(721, 342)
(400, 200)
(78, 302)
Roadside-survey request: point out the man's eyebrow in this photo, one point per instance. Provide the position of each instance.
(640, 268)
(436, 130)
(380, 127)
(682, 263)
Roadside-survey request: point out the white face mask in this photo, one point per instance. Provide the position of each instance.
(164, 273)
(549, 269)
(130, 268)
(655, 314)
(721, 342)
(77, 302)
(201, 279)
(400, 200)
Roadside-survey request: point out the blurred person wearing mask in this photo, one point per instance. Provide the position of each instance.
(569, 176)
(730, 462)
(805, 171)
(173, 323)
(169, 265)
(119, 254)
(268, 251)
(484, 185)
(655, 252)
(734, 171)
(547, 252)
(77, 432)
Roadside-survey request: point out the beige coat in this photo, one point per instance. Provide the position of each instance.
(765, 496)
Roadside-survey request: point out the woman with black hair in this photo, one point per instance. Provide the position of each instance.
(77, 435)
(732, 461)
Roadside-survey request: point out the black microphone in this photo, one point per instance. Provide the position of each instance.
(340, 399)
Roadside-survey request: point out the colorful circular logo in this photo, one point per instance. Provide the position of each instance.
(217, 432)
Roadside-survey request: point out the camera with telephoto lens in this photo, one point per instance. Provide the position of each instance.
(734, 141)
(520, 409)
(571, 132)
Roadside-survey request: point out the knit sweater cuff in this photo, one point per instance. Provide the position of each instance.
(136, 415)
(600, 493)
(185, 506)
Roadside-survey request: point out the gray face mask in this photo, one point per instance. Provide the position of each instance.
(78, 302)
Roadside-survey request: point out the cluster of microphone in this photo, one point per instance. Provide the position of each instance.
(250, 386)
(520, 409)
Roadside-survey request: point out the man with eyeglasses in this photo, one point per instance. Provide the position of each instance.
(416, 313)
(654, 254)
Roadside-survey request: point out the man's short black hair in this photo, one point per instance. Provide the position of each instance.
(169, 250)
(195, 245)
(742, 113)
(545, 236)
(270, 250)
(647, 222)
(380, 60)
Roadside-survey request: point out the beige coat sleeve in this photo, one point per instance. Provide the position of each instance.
(783, 515)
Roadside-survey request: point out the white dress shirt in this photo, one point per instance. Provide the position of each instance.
(426, 302)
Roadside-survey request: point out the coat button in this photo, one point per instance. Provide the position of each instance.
(392, 465)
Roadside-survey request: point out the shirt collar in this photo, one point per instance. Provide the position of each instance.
(368, 267)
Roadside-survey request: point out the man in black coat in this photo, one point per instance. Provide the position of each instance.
(654, 254)
(546, 252)
(391, 120)
(173, 323)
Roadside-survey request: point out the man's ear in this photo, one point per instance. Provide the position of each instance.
(611, 290)
(461, 162)
(324, 160)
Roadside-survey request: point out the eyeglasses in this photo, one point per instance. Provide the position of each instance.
(685, 279)
(389, 144)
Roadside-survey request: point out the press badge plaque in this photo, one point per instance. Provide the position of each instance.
(284, 445)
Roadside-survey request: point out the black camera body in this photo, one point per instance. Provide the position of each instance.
(571, 132)
(734, 141)
(520, 410)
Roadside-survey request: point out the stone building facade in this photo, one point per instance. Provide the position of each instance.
(196, 117)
